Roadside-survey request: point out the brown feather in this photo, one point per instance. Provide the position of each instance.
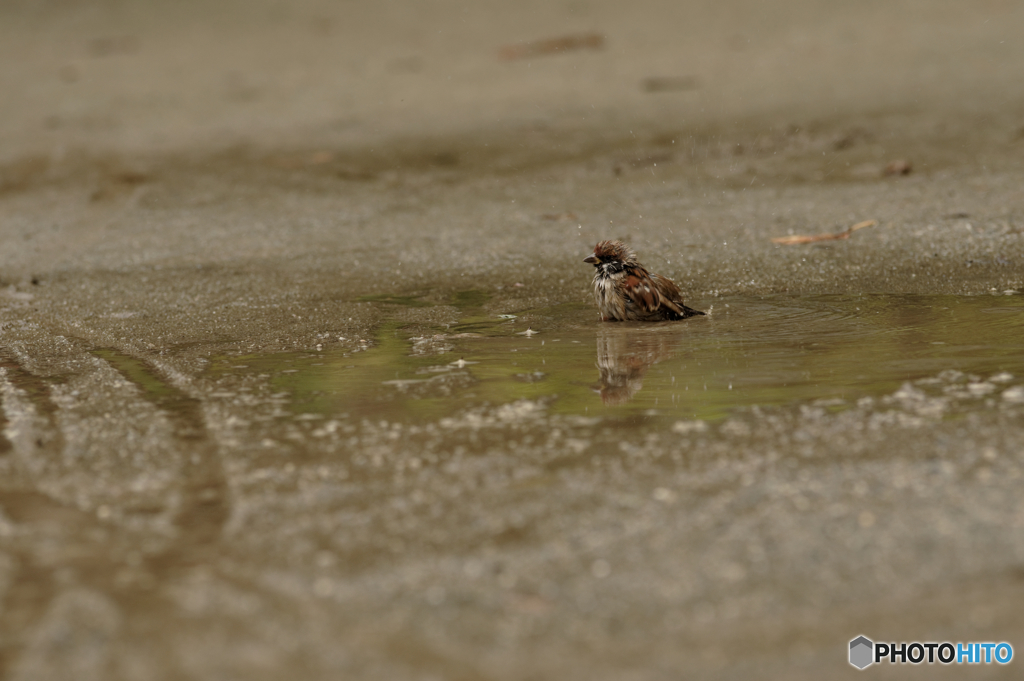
(641, 290)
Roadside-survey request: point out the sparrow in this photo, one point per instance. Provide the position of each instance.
(626, 291)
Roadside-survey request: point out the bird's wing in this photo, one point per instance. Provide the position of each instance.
(671, 296)
(652, 292)
(667, 287)
(642, 291)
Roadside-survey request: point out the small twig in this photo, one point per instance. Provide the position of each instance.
(798, 239)
(565, 43)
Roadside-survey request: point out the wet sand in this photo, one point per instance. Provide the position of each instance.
(193, 199)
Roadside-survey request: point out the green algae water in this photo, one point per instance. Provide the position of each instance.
(832, 350)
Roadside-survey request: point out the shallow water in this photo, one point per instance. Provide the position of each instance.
(832, 350)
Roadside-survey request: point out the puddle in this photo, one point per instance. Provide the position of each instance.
(751, 351)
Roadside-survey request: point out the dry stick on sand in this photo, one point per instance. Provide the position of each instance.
(798, 239)
(565, 43)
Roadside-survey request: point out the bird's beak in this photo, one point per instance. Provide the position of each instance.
(591, 260)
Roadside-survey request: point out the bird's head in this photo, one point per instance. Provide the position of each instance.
(608, 252)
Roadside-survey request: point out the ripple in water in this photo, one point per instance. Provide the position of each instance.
(749, 351)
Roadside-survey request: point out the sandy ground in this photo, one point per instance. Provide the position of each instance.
(181, 183)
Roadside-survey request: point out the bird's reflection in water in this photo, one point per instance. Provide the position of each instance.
(624, 353)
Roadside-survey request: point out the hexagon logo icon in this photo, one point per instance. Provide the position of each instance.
(861, 652)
